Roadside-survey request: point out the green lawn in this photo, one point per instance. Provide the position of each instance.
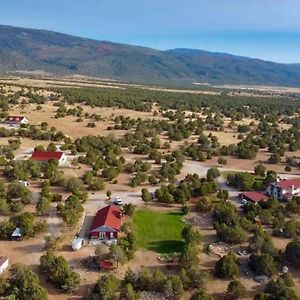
(158, 231)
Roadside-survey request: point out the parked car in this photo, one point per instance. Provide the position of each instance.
(244, 201)
(118, 201)
(262, 279)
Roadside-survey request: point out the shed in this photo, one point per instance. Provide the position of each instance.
(4, 262)
(77, 244)
(17, 234)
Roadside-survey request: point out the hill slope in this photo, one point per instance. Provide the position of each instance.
(31, 49)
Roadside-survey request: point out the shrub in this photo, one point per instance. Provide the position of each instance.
(227, 266)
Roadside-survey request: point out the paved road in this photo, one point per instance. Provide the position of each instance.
(233, 192)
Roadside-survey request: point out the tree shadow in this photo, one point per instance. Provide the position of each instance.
(167, 246)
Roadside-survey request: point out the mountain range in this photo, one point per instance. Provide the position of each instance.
(23, 49)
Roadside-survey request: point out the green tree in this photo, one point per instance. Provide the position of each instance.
(189, 258)
(212, 174)
(222, 161)
(262, 264)
(128, 293)
(24, 284)
(173, 287)
(106, 288)
(129, 209)
(191, 235)
(227, 266)
(71, 211)
(51, 147)
(146, 196)
(201, 295)
(59, 272)
(235, 290)
(43, 205)
(108, 194)
(117, 254)
(205, 204)
(292, 252)
(260, 170)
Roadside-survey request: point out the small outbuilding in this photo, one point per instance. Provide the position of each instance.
(4, 262)
(16, 235)
(77, 244)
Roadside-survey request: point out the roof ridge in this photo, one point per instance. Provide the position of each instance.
(108, 211)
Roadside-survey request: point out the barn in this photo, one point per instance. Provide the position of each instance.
(106, 224)
(44, 156)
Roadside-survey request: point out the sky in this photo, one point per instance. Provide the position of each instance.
(266, 29)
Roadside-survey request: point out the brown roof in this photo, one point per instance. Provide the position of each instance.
(255, 196)
(109, 216)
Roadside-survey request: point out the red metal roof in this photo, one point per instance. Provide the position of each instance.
(46, 155)
(108, 216)
(15, 118)
(255, 196)
(106, 265)
(288, 183)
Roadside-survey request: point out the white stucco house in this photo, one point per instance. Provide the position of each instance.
(284, 189)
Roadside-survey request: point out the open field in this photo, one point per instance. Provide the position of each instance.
(158, 231)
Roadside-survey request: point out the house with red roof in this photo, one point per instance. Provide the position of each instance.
(107, 223)
(44, 156)
(284, 189)
(254, 197)
(16, 120)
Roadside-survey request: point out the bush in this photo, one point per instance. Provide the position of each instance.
(262, 264)
(59, 272)
(231, 235)
(227, 266)
(212, 174)
(129, 209)
(205, 204)
(201, 295)
(292, 252)
(235, 290)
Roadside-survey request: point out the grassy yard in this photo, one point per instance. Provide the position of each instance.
(158, 231)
